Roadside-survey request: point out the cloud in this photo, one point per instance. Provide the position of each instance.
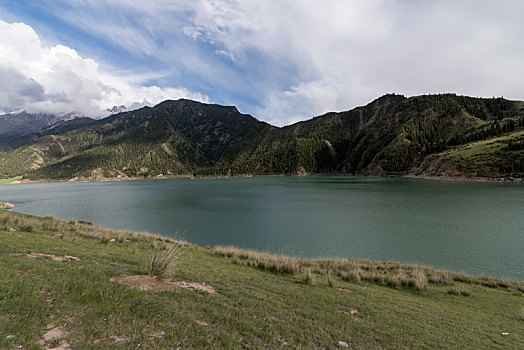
(57, 79)
(17, 91)
(347, 53)
(287, 60)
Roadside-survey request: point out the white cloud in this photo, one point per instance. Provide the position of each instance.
(350, 52)
(285, 60)
(57, 79)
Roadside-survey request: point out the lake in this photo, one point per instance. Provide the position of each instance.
(464, 226)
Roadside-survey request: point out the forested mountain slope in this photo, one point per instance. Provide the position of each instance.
(439, 135)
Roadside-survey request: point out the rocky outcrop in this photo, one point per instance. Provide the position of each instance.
(6, 205)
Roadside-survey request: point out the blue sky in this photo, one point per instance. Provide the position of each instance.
(279, 60)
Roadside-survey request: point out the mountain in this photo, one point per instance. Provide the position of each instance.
(21, 123)
(431, 135)
(174, 137)
(422, 135)
(58, 128)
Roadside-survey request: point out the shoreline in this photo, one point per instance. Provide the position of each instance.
(193, 177)
(247, 251)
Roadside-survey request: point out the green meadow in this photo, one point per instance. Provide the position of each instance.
(69, 284)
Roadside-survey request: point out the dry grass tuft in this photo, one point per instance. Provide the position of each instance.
(419, 280)
(377, 272)
(459, 291)
(330, 280)
(105, 238)
(163, 262)
(354, 274)
(307, 278)
(264, 261)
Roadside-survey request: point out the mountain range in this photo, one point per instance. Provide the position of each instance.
(441, 135)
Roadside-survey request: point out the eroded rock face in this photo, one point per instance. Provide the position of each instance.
(6, 205)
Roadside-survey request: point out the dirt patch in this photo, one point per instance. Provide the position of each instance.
(144, 282)
(51, 336)
(34, 256)
(344, 290)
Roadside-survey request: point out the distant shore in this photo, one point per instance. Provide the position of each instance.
(464, 178)
(190, 176)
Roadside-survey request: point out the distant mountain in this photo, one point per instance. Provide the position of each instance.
(432, 135)
(22, 128)
(18, 124)
(21, 123)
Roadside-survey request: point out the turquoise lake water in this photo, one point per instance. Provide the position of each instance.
(465, 226)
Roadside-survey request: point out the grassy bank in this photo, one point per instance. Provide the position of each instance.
(77, 295)
(11, 179)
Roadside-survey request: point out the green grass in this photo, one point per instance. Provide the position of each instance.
(6, 181)
(485, 158)
(253, 307)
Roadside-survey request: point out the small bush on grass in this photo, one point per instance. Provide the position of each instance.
(163, 262)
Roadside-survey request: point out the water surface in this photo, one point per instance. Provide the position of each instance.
(472, 227)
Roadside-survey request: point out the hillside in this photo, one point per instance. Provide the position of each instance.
(74, 285)
(393, 135)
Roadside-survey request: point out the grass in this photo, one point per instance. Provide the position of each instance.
(6, 181)
(261, 301)
(376, 272)
(485, 158)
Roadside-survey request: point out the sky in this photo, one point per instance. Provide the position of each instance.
(279, 60)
